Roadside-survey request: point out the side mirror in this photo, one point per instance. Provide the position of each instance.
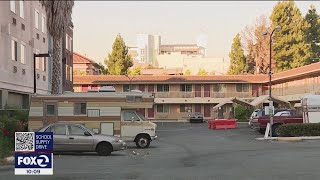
(87, 133)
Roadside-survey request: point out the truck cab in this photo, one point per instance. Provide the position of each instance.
(134, 127)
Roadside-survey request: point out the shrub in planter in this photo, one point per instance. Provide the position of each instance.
(295, 130)
(242, 114)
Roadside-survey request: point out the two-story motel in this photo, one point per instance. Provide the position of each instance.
(177, 95)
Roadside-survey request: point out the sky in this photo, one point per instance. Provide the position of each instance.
(96, 23)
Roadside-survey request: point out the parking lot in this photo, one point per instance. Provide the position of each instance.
(192, 151)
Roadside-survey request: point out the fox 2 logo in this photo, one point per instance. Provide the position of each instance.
(33, 161)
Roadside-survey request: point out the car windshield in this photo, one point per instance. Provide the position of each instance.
(89, 130)
(141, 117)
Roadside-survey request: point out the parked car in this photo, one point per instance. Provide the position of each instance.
(68, 137)
(196, 117)
(261, 112)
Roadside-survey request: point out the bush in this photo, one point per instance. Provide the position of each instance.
(295, 130)
(242, 114)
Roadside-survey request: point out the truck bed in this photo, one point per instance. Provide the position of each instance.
(261, 122)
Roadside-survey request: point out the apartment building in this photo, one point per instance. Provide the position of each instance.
(67, 59)
(23, 34)
(176, 95)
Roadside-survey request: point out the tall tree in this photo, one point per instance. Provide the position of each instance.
(313, 34)
(202, 72)
(257, 46)
(237, 57)
(119, 61)
(290, 47)
(135, 71)
(101, 68)
(188, 72)
(58, 15)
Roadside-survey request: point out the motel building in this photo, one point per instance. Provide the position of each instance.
(176, 96)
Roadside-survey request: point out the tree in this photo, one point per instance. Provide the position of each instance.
(213, 72)
(188, 72)
(101, 68)
(202, 72)
(119, 61)
(257, 46)
(136, 71)
(290, 47)
(237, 58)
(58, 15)
(313, 34)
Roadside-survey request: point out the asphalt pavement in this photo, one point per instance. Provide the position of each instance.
(190, 152)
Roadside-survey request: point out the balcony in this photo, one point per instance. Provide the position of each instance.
(203, 94)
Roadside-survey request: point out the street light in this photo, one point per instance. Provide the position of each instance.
(277, 28)
(130, 79)
(34, 69)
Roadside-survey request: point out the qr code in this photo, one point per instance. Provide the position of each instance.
(24, 141)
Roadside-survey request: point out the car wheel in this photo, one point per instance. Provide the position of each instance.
(143, 141)
(104, 149)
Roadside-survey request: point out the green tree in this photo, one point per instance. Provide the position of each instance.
(202, 72)
(237, 57)
(136, 71)
(290, 47)
(58, 15)
(313, 34)
(101, 68)
(119, 61)
(188, 72)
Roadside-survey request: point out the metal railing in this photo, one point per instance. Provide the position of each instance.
(204, 94)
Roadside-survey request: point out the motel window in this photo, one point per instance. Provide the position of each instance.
(242, 87)
(36, 19)
(80, 108)
(162, 108)
(13, 6)
(219, 87)
(44, 64)
(43, 24)
(51, 110)
(37, 60)
(185, 108)
(163, 88)
(186, 87)
(14, 50)
(22, 53)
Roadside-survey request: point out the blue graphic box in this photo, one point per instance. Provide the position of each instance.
(27, 160)
(43, 141)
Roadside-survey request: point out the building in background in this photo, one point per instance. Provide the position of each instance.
(23, 34)
(177, 96)
(183, 49)
(82, 65)
(67, 60)
(202, 41)
(193, 63)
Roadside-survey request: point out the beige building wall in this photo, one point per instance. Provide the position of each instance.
(17, 76)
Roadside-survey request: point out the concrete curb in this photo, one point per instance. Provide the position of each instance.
(6, 167)
(291, 138)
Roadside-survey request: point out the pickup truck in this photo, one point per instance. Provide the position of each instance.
(281, 117)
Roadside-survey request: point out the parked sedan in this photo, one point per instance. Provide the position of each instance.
(68, 137)
(196, 117)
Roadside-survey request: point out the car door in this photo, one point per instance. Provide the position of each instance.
(131, 125)
(79, 139)
(59, 136)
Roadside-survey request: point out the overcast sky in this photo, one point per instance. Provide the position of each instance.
(97, 23)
